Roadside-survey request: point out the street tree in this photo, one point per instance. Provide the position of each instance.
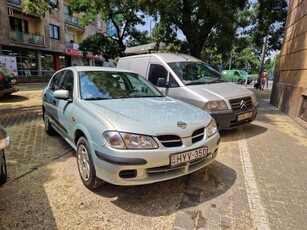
(196, 18)
(269, 20)
(121, 15)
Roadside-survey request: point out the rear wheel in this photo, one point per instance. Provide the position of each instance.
(85, 165)
(3, 171)
(48, 128)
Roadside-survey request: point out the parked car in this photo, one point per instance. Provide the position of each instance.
(4, 142)
(237, 76)
(8, 82)
(124, 130)
(188, 79)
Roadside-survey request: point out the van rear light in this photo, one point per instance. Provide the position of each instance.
(1, 77)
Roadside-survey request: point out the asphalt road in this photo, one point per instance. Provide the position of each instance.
(257, 181)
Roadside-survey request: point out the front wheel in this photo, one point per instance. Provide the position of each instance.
(3, 170)
(85, 165)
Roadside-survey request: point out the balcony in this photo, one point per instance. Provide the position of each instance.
(27, 38)
(72, 20)
(15, 2)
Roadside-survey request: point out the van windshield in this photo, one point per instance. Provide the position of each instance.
(195, 73)
(243, 72)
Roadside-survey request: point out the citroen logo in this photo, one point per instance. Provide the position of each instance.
(243, 104)
(181, 124)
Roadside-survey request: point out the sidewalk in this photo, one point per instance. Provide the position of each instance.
(258, 181)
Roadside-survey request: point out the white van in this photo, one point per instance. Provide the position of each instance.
(188, 79)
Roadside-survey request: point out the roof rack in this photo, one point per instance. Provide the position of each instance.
(144, 49)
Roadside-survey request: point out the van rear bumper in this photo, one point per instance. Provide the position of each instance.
(229, 120)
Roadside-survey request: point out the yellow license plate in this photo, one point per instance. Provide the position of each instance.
(245, 116)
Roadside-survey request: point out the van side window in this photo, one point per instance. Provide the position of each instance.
(172, 82)
(237, 73)
(156, 72)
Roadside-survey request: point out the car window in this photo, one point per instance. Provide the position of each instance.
(68, 82)
(237, 73)
(97, 85)
(155, 72)
(56, 80)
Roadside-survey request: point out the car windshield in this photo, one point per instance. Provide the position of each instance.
(194, 73)
(243, 72)
(100, 85)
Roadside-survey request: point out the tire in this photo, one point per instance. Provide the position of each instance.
(3, 170)
(240, 81)
(85, 165)
(48, 128)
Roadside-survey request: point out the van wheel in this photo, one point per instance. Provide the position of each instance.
(240, 81)
(3, 170)
(85, 164)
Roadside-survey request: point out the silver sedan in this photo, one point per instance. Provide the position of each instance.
(124, 130)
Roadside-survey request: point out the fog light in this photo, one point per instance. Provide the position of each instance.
(128, 173)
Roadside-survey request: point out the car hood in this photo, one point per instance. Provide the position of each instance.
(218, 91)
(151, 116)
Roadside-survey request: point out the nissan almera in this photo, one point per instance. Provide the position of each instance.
(123, 129)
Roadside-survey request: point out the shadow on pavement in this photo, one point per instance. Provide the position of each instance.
(13, 98)
(161, 199)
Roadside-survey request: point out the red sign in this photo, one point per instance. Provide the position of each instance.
(78, 53)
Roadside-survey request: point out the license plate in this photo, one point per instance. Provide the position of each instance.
(13, 81)
(244, 116)
(179, 158)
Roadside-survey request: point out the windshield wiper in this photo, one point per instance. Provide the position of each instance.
(196, 83)
(96, 98)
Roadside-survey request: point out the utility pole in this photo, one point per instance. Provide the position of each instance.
(230, 59)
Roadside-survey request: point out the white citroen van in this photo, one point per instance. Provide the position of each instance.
(188, 79)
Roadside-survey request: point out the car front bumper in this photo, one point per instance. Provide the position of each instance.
(136, 167)
(229, 120)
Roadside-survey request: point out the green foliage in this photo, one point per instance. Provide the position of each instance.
(38, 7)
(269, 19)
(196, 18)
(99, 44)
(122, 15)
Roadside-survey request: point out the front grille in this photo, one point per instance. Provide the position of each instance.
(170, 140)
(241, 104)
(198, 135)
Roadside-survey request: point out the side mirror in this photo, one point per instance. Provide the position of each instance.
(61, 94)
(161, 82)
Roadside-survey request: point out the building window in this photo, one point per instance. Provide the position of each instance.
(54, 31)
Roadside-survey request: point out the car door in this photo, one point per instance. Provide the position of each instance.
(64, 107)
(50, 102)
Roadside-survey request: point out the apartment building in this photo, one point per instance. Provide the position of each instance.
(47, 44)
(289, 92)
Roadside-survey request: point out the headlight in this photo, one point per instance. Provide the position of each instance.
(211, 128)
(254, 98)
(121, 140)
(215, 105)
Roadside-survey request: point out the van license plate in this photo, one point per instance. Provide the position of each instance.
(13, 81)
(179, 158)
(244, 116)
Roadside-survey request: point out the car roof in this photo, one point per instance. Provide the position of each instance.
(97, 68)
